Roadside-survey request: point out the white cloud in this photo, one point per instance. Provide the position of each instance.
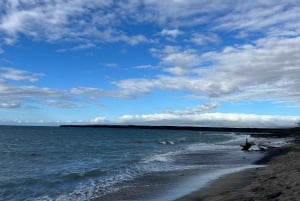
(211, 119)
(181, 13)
(133, 40)
(89, 20)
(133, 87)
(261, 16)
(267, 68)
(201, 39)
(196, 110)
(271, 64)
(89, 93)
(176, 60)
(18, 75)
(14, 95)
(171, 32)
(13, 92)
(60, 104)
(62, 20)
(99, 120)
(79, 47)
(10, 105)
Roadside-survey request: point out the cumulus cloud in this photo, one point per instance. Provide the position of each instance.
(131, 88)
(171, 32)
(271, 64)
(201, 39)
(98, 120)
(177, 60)
(18, 75)
(17, 95)
(211, 119)
(267, 68)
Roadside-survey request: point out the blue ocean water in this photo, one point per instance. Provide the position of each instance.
(53, 163)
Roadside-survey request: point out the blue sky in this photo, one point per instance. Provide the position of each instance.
(193, 62)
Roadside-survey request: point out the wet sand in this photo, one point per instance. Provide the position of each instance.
(279, 180)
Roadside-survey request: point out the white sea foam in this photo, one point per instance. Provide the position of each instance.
(169, 142)
(161, 157)
(93, 189)
(191, 148)
(207, 147)
(106, 185)
(44, 198)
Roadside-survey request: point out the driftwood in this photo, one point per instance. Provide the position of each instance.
(247, 145)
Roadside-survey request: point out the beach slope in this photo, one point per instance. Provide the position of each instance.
(279, 180)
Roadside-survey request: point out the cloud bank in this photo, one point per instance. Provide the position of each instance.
(267, 68)
(211, 119)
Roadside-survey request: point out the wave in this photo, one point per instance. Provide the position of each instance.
(85, 174)
(161, 157)
(103, 181)
(102, 184)
(90, 189)
(208, 147)
(167, 142)
(169, 157)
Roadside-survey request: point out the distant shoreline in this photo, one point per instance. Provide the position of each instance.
(269, 131)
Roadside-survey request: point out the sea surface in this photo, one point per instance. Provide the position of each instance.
(76, 164)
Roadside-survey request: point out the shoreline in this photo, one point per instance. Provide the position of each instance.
(278, 180)
(192, 185)
(175, 184)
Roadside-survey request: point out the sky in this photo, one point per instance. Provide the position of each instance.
(174, 62)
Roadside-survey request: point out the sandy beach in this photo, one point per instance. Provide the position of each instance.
(279, 180)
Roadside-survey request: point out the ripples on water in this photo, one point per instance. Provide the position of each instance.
(51, 163)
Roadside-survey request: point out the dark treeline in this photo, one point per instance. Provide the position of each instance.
(253, 131)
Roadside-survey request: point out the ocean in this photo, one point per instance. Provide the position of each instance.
(76, 164)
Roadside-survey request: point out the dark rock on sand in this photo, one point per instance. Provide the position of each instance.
(274, 195)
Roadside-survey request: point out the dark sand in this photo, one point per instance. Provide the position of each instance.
(279, 180)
